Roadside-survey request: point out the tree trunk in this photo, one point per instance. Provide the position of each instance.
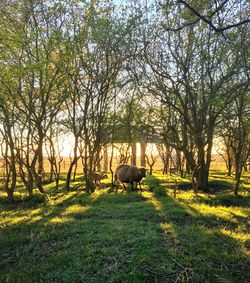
(143, 153)
(23, 178)
(12, 165)
(202, 178)
(133, 156)
(88, 172)
(98, 160)
(68, 178)
(57, 171)
(72, 164)
(10, 191)
(38, 158)
(150, 170)
(188, 169)
(90, 185)
(164, 152)
(178, 161)
(40, 161)
(204, 161)
(10, 194)
(238, 172)
(105, 158)
(51, 168)
(111, 161)
(30, 182)
(75, 169)
(165, 167)
(57, 182)
(229, 169)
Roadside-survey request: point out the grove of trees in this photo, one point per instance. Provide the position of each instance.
(165, 72)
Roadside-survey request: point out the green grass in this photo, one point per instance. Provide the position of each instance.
(131, 236)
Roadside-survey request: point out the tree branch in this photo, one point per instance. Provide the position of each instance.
(206, 19)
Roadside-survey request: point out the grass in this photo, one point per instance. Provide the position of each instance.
(131, 236)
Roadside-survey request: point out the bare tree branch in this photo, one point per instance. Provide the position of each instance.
(207, 19)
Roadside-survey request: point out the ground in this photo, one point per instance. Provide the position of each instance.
(117, 236)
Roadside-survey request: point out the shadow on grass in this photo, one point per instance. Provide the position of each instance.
(219, 182)
(227, 200)
(205, 253)
(113, 237)
(119, 237)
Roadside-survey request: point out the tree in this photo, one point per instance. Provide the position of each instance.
(190, 71)
(151, 156)
(236, 130)
(226, 151)
(214, 13)
(96, 53)
(7, 120)
(36, 77)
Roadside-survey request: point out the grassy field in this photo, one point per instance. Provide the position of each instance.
(128, 236)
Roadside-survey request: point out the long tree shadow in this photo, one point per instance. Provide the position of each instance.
(226, 200)
(110, 237)
(119, 237)
(204, 246)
